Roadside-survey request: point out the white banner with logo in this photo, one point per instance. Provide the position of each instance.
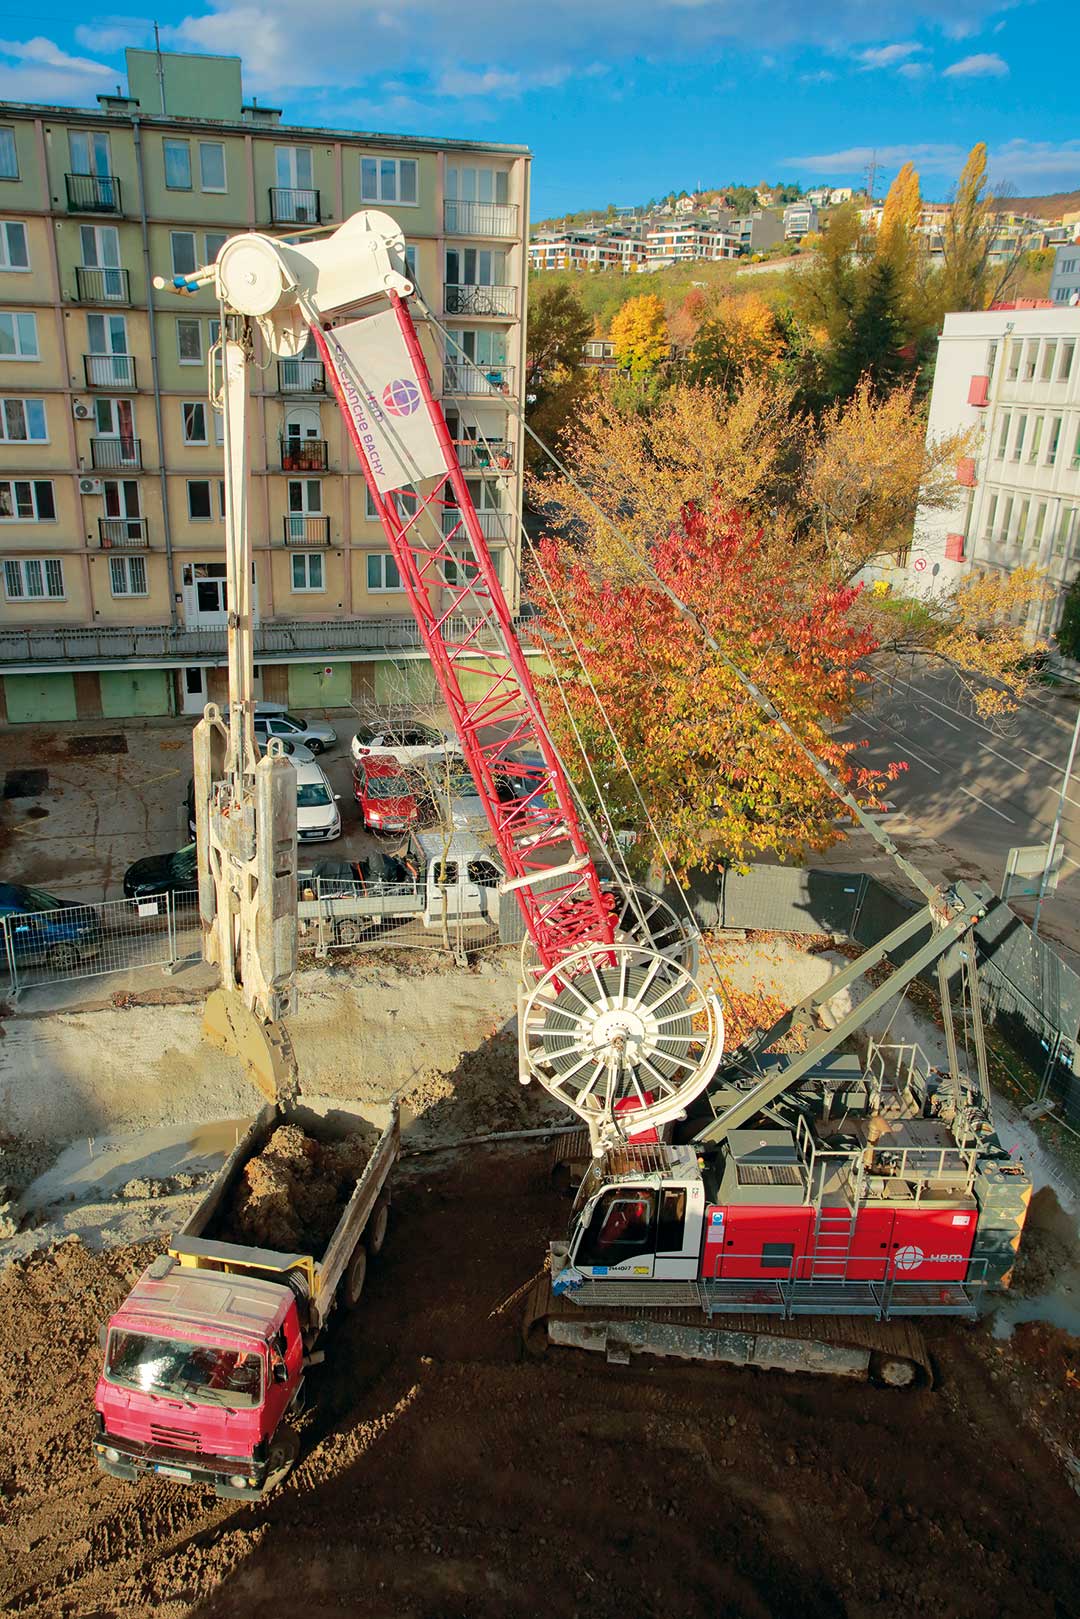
(383, 395)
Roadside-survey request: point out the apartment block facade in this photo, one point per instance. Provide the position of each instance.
(111, 498)
(1012, 375)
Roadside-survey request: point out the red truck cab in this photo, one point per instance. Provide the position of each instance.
(385, 795)
(200, 1367)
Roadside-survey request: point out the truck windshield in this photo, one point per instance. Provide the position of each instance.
(185, 1371)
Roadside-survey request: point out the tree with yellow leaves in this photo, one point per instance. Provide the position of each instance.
(741, 339)
(639, 334)
(968, 279)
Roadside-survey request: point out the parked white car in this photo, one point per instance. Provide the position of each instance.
(318, 819)
(406, 742)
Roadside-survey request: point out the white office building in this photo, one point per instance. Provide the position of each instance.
(1012, 374)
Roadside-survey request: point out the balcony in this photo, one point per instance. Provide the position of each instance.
(301, 377)
(493, 525)
(303, 455)
(475, 300)
(492, 455)
(289, 206)
(480, 218)
(115, 454)
(122, 534)
(93, 194)
(468, 377)
(302, 529)
(110, 370)
(109, 286)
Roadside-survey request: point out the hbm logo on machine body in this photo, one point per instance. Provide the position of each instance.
(401, 397)
(911, 1256)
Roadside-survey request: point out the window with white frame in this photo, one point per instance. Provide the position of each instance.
(9, 157)
(123, 499)
(1018, 440)
(183, 252)
(90, 154)
(389, 179)
(406, 501)
(1064, 531)
(476, 266)
(468, 184)
(305, 497)
(1053, 439)
(1031, 355)
(991, 515)
(177, 164)
(1036, 438)
(215, 241)
(1012, 371)
(1049, 355)
(34, 579)
(127, 576)
(1022, 509)
(99, 246)
(22, 421)
(1076, 448)
(1005, 532)
(382, 573)
(212, 166)
(200, 509)
(18, 335)
(14, 252)
(194, 414)
(293, 168)
(27, 500)
(189, 341)
(107, 334)
(1065, 364)
(307, 571)
(1039, 524)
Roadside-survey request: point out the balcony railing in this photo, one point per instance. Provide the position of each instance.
(109, 370)
(303, 455)
(480, 218)
(492, 455)
(493, 525)
(109, 286)
(301, 529)
(472, 377)
(472, 300)
(122, 533)
(93, 193)
(301, 377)
(290, 206)
(112, 454)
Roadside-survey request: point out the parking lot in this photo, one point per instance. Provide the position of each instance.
(82, 802)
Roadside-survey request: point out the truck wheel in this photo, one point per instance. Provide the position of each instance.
(349, 932)
(284, 1450)
(375, 1235)
(355, 1276)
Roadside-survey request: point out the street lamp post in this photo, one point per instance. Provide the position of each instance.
(1052, 848)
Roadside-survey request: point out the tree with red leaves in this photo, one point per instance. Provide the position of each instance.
(722, 782)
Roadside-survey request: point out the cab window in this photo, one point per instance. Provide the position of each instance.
(623, 1224)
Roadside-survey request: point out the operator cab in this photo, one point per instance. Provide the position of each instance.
(638, 1214)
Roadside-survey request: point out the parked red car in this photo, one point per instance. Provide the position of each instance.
(386, 796)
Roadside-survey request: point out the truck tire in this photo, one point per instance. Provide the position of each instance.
(355, 1277)
(349, 932)
(375, 1235)
(284, 1450)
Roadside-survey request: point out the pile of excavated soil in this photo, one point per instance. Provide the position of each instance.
(1048, 1248)
(444, 1476)
(291, 1194)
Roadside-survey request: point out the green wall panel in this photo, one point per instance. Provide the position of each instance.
(37, 698)
(311, 687)
(130, 693)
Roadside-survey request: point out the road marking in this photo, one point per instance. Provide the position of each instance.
(915, 756)
(990, 807)
(940, 719)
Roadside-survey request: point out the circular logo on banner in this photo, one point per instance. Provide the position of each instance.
(909, 1257)
(401, 397)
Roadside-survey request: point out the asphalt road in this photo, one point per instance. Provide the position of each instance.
(979, 787)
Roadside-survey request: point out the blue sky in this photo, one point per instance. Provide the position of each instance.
(621, 100)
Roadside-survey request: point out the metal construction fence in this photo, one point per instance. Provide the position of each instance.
(460, 917)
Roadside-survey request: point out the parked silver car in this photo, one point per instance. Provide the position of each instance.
(313, 734)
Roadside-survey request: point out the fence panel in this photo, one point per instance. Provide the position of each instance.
(395, 916)
(88, 941)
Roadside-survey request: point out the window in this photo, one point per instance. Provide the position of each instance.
(114, 418)
(388, 179)
(127, 576)
(189, 341)
(305, 495)
(991, 361)
(122, 499)
(1022, 509)
(14, 254)
(18, 336)
(1046, 370)
(466, 184)
(215, 241)
(1006, 519)
(307, 573)
(89, 152)
(1039, 524)
(292, 167)
(991, 514)
(194, 422)
(212, 166)
(9, 157)
(198, 500)
(406, 501)
(177, 165)
(23, 500)
(100, 248)
(22, 421)
(1003, 437)
(107, 334)
(1076, 448)
(1036, 438)
(1031, 355)
(1063, 534)
(410, 259)
(1018, 441)
(1055, 435)
(476, 266)
(183, 252)
(1014, 360)
(623, 1224)
(382, 572)
(32, 579)
(1065, 364)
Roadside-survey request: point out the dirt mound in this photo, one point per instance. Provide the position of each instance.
(291, 1194)
(1049, 1246)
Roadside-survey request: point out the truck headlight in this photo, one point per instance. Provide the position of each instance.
(238, 1481)
(111, 1454)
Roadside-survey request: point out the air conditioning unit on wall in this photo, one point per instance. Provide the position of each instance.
(90, 486)
(80, 411)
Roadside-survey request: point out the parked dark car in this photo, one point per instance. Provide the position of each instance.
(42, 928)
(160, 874)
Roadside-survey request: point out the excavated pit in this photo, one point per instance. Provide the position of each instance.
(289, 1196)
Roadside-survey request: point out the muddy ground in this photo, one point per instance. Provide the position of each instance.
(444, 1477)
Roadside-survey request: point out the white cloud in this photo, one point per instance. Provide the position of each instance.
(39, 70)
(853, 159)
(822, 76)
(1022, 163)
(888, 55)
(1045, 162)
(984, 65)
(915, 70)
(114, 34)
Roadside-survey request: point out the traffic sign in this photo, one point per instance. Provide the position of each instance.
(1024, 871)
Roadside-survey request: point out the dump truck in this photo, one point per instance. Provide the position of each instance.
(205, 1360)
